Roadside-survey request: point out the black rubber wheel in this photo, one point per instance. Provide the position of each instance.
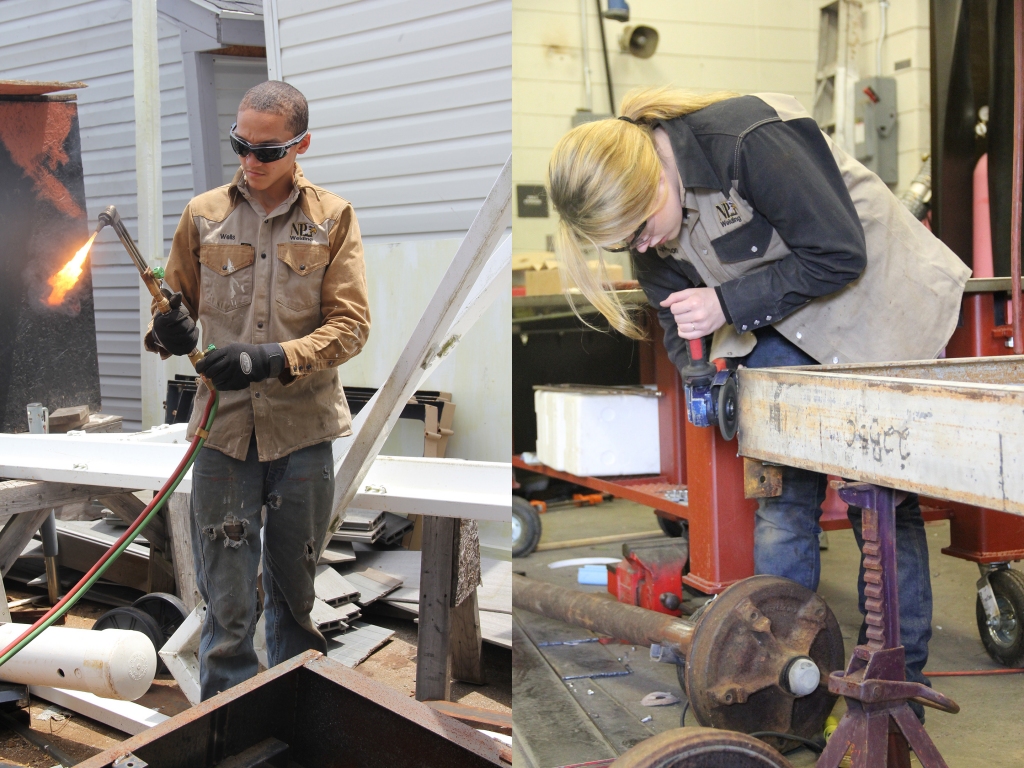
(1005, 642)
(138, 621)
(526, 527)
(166, 608)
(673, 528)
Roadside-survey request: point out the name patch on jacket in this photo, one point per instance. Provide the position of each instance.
(728, 214)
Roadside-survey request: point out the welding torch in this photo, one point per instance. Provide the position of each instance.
(151, 277)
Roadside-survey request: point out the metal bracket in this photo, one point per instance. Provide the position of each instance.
(986, 595)
(130, 761)
(760, 480)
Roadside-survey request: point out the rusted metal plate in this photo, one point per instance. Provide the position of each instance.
(327, 715)
(760, 480)
(35, 88)
(949, 429)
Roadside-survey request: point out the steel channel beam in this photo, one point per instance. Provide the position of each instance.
(144, 461)
(600, 612)
(949, 429)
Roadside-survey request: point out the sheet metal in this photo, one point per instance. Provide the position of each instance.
(327, 714)
(948, 429)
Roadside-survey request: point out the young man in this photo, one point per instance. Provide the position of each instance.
(273, 268)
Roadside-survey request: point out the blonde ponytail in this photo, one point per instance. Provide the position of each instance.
(604, 182)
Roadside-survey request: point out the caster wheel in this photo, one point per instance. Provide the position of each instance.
(167, 609)
(673, 528)
(751, 662)
(138, 621)
(701, 748)
(1005, 641)
(526, 527)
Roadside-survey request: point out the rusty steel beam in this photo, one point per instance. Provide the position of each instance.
(948, 429)
(601, 613)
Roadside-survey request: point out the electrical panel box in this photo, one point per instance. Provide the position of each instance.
(875, 127)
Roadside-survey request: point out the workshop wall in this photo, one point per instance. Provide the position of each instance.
(905, 56)
(758, 45)
(409, 107)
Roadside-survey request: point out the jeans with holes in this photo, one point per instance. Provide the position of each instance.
(228, 501)
(786, 531)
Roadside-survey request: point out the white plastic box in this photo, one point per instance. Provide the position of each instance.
(600, 431)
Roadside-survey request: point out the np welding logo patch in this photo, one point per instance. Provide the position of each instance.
(302, 231)
(728, 214)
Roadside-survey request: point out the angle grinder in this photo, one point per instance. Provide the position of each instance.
(710, 393)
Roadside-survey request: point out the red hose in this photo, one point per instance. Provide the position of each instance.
(131, 529)
(975, 673)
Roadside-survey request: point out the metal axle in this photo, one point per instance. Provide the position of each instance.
(602, 613)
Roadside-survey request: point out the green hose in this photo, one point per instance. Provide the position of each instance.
(80, 589)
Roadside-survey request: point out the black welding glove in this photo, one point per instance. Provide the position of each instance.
(176, 331)
(237, 365)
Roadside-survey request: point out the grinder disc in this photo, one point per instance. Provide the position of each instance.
(727, 415)
(742, 646)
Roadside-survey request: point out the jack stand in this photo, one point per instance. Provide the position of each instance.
(878, 723)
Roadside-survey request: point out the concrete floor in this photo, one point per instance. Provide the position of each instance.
(559, 723)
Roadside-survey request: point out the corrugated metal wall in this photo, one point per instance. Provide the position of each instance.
(410, 106)
(91, 41)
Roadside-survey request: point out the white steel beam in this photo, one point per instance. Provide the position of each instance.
(126, 716)
(144, 461)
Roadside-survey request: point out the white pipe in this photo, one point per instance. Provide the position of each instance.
(272, 33)
(149, 188)
(883, 6)
(112, 663)
(585, 58)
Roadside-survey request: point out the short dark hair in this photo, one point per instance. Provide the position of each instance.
(279, 98)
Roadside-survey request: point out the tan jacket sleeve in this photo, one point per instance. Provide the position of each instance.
(343, 304)
(180, 274)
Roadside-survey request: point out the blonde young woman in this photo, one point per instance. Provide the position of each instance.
(749, 225)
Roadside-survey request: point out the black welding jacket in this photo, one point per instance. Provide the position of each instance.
(792, 232)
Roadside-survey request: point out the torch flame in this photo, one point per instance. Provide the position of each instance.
(65, 280)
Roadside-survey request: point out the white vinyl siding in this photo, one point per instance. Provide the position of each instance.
(91, 41)
(410, 106)
(232, 77)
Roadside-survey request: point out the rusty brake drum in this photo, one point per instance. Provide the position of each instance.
(701, 748)
(760, 659)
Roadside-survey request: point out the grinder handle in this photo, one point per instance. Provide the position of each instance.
(696, 350)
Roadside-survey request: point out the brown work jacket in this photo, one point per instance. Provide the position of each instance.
(294, 276)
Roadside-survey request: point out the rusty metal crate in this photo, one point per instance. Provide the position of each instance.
(326, 714)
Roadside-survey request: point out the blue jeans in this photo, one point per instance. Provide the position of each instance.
(228, 499)
(786, 531)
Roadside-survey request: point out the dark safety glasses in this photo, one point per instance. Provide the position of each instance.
(627, 245)
(264, 153)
